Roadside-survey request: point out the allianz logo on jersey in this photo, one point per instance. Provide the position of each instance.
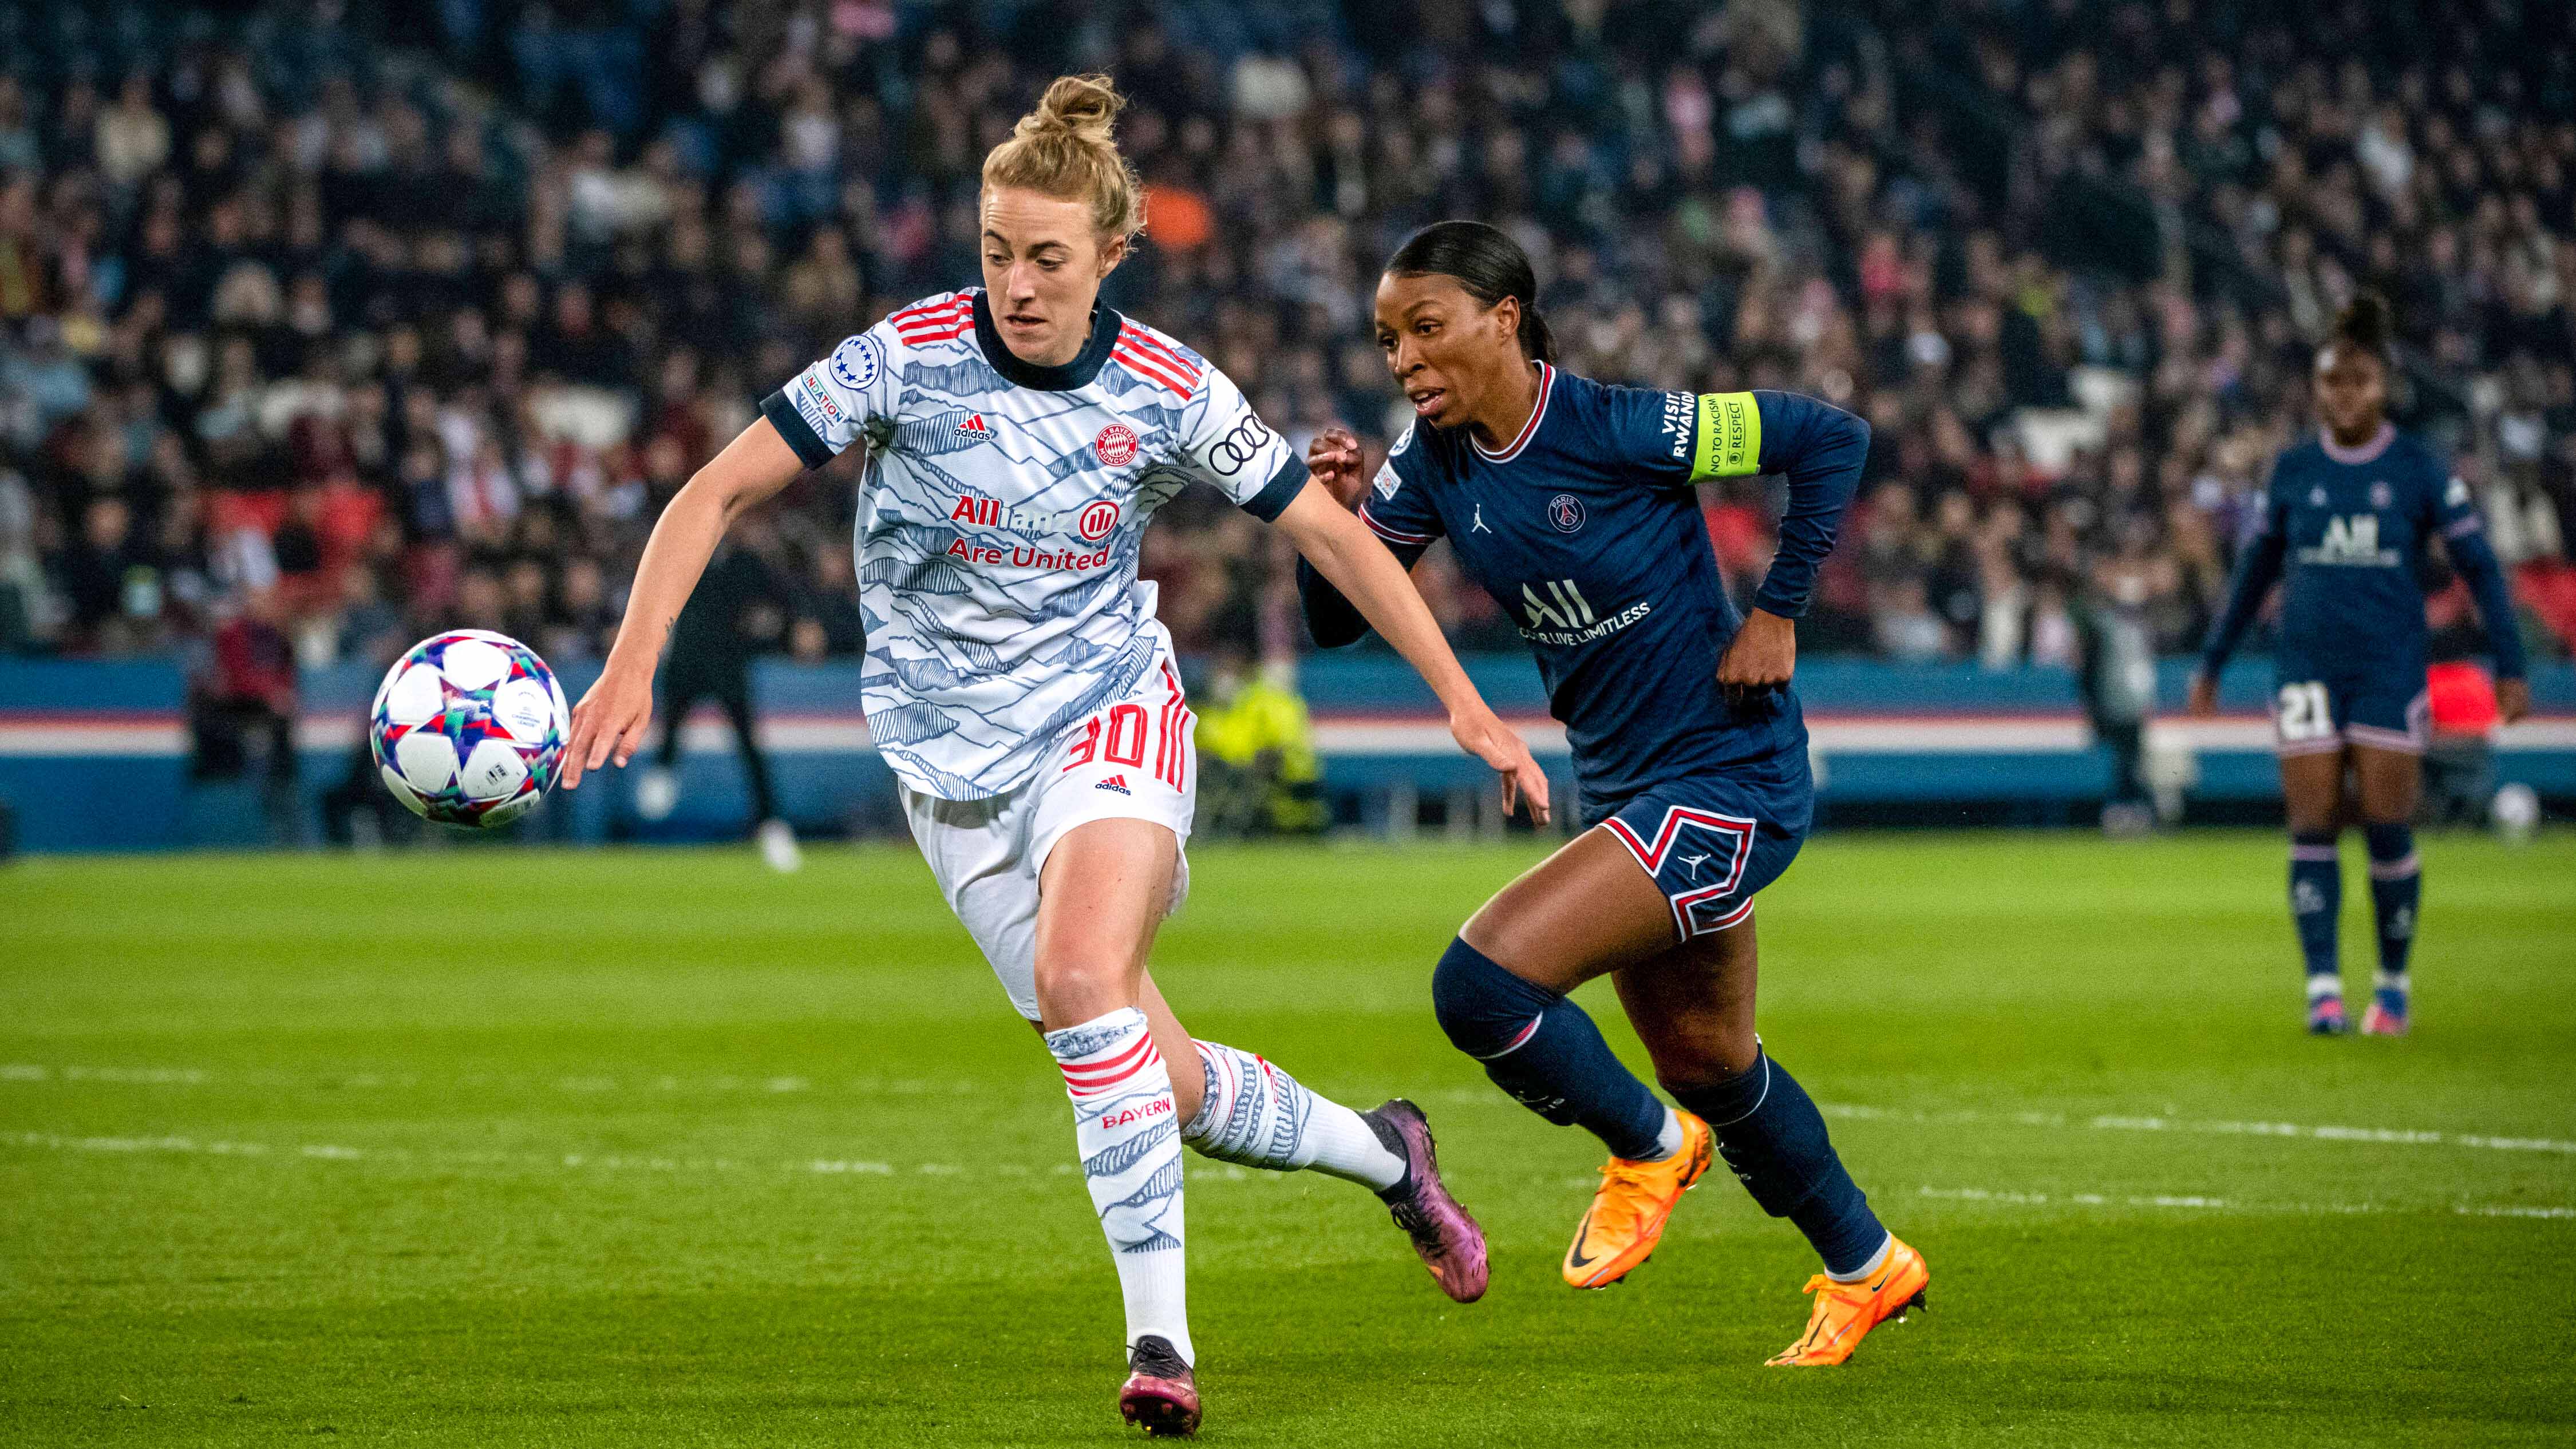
(1563, 616)
(2351, 540)
(1092, 522)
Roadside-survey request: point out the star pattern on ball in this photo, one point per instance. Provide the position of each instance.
(468, 728)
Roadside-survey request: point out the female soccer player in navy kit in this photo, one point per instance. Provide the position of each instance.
(2347, 518)
(1571, 502)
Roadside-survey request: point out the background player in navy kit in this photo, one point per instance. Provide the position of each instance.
(2348, 517)
(1570, 502)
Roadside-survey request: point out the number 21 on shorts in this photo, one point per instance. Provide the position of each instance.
(2304, 713)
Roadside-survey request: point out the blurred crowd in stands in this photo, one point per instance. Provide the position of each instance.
(322, 325)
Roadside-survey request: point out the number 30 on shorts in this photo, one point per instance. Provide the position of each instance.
(2304, 713)
(1148, 734)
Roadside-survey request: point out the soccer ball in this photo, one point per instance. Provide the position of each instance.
(2516, 812)
(468, 728)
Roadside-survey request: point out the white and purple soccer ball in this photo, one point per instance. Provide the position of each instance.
(468, 728)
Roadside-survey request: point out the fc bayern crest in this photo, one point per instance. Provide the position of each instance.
(1098, 517)
(1566, 512)
(1116, 444)
(2381, 495)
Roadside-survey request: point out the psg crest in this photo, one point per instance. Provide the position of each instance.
(1566, 512)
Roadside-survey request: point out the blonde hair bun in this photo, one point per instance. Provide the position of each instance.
(1084, 107)
(1065, 149)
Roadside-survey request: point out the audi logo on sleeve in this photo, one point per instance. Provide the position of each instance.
(1238, 448)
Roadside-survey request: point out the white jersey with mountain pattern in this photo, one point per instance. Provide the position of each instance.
(1000, 519)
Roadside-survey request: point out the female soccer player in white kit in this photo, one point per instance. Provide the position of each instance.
(1018, 437)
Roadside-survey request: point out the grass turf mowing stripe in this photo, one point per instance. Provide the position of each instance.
(1198, 1172)
(2395, 1136)
(2002, 1014)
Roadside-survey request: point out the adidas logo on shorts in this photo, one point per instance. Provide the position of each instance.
(1114, 782)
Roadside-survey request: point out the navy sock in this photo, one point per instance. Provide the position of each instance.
(2316, 899)
(2396, 886)
(1544, 1051)
(1769, 1131)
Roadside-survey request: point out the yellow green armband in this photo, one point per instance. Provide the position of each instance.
(1730, 436)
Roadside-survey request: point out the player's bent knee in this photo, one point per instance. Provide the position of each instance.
(1491, 1015)
(1481, 1006)
(1079, 985)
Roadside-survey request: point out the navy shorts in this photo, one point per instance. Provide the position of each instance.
(1712, 840)
(2317, 710)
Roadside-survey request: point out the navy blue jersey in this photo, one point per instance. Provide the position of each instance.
(2349, 529)
(1587, 533)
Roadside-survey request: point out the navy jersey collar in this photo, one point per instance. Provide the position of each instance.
(2367, 453)
(1063, 378)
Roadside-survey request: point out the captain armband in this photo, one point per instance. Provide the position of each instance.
(1730, 436)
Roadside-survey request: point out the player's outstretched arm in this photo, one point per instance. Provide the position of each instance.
(1353, 561)
(1333, 460)
(611, 718)
(2257, 569)
(1820, 450)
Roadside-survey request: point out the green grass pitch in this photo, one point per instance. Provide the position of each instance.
(486, 1148)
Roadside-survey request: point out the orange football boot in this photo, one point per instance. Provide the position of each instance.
(1626, 1219)
(1846, 1312)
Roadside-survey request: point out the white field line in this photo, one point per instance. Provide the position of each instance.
(155, 1076)
(2394, 1136)
(170, 1145)
(182, 1146)
(588, 1085)
(2229, 1205)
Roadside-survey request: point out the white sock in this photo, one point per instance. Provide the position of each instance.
(1259, 1116)
(1876, 1261)
(1668, 1138)
(1127, 1132)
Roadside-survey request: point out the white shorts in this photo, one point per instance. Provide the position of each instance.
(1133, 760)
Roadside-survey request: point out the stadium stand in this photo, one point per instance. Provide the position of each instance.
(377, 316)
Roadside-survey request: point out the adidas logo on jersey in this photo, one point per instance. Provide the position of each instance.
(1114, 782)
(974, 427)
